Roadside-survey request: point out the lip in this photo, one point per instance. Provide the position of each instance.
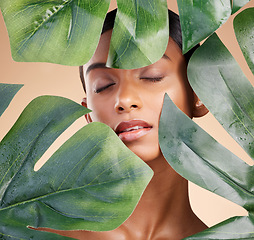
(131, 130)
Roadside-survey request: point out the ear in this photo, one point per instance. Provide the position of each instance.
(199, 109)
(84, 104)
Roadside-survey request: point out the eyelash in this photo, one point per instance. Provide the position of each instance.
(103, 88)
(155, 79)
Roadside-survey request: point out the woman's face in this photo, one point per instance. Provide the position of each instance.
(130, 101)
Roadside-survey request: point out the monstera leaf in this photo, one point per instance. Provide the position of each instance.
(89, 183)
(213, 69)
(244, 30)
(144, 31)
(61, 31)
(185, 146)
(221, 85)
(67, 31)
(199, 19)
(92, 182)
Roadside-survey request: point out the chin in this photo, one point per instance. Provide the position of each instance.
(147, 154)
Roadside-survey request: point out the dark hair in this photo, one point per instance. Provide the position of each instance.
(174, 32)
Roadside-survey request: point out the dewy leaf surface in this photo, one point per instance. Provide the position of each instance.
(92, 182)
(237, 4)
(185, 146)
(221, 85)
(199, 19)
(37, 128)
(7, 92)
(244, 31)
(56, 31)
(140, 34)
(17, 144)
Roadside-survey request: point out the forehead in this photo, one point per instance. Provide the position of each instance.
(100, 56)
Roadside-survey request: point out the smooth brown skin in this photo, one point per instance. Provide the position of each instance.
(164, 211)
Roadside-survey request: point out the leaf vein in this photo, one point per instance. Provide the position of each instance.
(228, 179)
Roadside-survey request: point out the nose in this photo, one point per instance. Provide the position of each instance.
(128, 99)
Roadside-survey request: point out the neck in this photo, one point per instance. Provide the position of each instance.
(164, 208)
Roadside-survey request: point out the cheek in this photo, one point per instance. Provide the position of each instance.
(101, 110)
(182, 95)
(158, 104)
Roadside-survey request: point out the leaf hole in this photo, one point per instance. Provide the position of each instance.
(70, 131)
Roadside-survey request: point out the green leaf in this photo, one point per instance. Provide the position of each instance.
(7, 92)
(185, 146)
(56, 31)
(244, 30)
(221, 85)
(233, 228)
(237, 4)
(199, 19)
(17, 144)
(36, 129)
(140, 34)
(16, 229)
(92, 182)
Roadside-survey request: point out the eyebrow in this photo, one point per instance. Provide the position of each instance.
(166, 57)
(96, 65)
(103, 65)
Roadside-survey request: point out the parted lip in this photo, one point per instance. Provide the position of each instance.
(123, 126)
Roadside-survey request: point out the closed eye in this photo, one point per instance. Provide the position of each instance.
(103, 88)
(152, 79)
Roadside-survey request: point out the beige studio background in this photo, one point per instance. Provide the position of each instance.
(51, 79)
